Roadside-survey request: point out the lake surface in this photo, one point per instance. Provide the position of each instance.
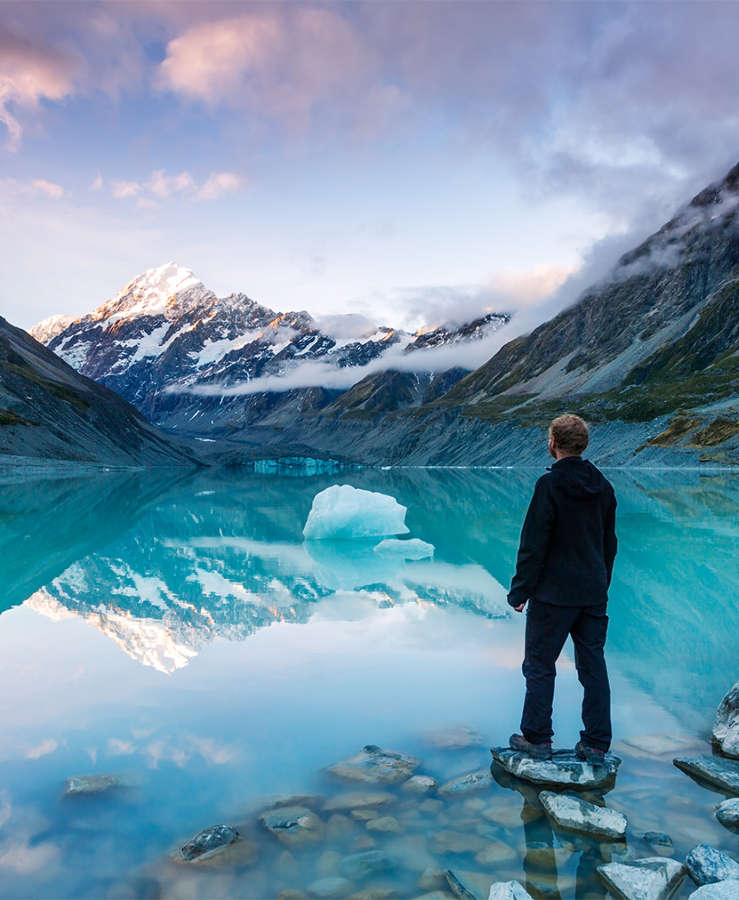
(178, 632)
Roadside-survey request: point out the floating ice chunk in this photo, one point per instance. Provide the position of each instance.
(412, 549)
(343, 512)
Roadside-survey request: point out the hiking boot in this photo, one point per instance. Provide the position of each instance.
(590, 754)
(535, 751)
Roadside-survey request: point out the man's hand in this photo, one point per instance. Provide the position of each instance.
(520, 608)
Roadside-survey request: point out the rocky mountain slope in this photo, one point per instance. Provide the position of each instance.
(650, 356)
(168, 345)
(47, 410)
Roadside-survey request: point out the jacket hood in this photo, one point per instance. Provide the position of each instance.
(577, 477)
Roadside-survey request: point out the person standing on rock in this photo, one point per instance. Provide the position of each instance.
(563, 571)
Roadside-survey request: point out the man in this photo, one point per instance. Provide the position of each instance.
(563, 570)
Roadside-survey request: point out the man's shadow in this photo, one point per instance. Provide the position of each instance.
(543, 856)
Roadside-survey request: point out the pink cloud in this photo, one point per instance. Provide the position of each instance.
(219, 183)
(283, 62)
(29, 74)
(49, 188)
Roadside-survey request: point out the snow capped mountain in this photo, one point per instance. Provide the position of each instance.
(165, 339)
(50, 327)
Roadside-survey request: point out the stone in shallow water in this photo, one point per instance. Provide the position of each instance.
(658, 840)
(463, 784)
(564, 769)
(653, 878)
(458, 887)
(458, 738)
(508, 890)
(386, 824)
(494, 853)
(707, 865)
(457, 842)
(208, 842)
(420, 784)
(330, 887)
(721, 890)
(432, 879)
(375, 893)
(544, 856)
(573, 814)
(365, 865)
(728, 813)
(293, 825)
(721, 773)
(91, 784)
(359, 800)
(726, 726)
(376, 766)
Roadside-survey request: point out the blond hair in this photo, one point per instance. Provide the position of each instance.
(570, 433)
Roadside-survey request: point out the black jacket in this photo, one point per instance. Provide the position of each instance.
(568, 539)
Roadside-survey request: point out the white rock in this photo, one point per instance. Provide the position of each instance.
(420, 784)
(721, 890)
(411, 549)
(726, 726)
(377, 766)
(343, 512)
(654, 878)
(728, 812)
(508, 890)
(707, 865)
(564, 769)
(575, 814)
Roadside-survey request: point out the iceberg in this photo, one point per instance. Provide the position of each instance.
(411, 549)
(343, 512)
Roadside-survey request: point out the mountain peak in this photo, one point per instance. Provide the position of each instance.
(154, 291)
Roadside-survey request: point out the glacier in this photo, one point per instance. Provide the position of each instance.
(343, 512)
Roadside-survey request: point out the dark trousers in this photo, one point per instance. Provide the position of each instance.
(547, 627)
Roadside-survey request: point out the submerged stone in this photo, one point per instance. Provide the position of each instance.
(375, 893)
(564, 769)
(91, 784)
(654, 878)
(508, 890)
(458, 738)
(208, 842)
(330, 887)
(420, 784)
(728, 813)
(721, 773)
(293, 825)
(365, 865)
(726, 725)
(432, 879)
(658, 840)
(385, 824)
(574, 814)
(463, 784)
(494, 853)
(457, 842)
(358, 800)
(721, 890)
(376, 766)
(707, 864)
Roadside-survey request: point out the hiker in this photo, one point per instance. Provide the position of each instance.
(563, 571)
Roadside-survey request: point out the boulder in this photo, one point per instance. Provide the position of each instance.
(384, 824)
(376, 766)
(728, 813)
(508, 890)
(574, 814)
(654, 878)
(563, 770)
(208, 842)
(721, 890)
(721, 773)
(293, 825)
(726, 725)
(464, 784)
(707, 865)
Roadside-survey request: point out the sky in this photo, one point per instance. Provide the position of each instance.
(416, 162)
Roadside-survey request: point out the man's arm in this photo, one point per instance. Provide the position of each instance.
(610, 541)
(532, 550)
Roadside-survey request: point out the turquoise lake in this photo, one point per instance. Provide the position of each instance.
(176, 630)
